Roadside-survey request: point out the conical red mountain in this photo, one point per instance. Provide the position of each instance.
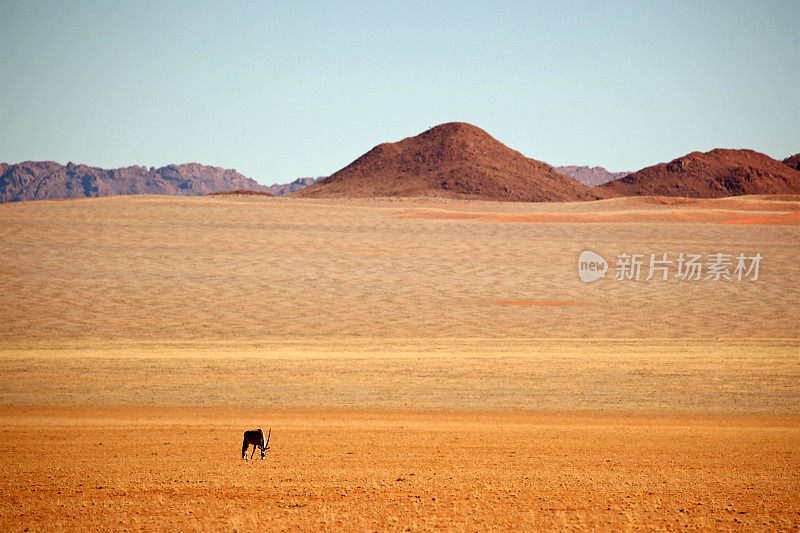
(715, 174)
(455, 160)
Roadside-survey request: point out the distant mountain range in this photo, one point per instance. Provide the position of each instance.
(296, 185)
(590, 176)
(47, 180)
(452, 160)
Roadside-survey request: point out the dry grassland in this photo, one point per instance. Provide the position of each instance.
(156, 268)
(711, 377)
(424, 364)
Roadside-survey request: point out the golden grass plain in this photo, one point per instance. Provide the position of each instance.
(450, 340)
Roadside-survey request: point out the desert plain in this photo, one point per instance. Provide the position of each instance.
(423, 364)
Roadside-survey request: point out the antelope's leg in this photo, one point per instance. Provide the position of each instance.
(254, 451)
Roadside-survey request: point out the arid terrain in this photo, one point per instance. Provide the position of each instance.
(167, 469)
(424, 364)
(454, 160)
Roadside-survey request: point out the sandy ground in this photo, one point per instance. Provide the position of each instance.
(424, 364)
(170, 469)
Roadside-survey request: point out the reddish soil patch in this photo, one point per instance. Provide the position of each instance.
(524, 302)
(375, 251)
(574, 218)
(749, 205)
(784, 219)
(454, 160)
(722, 210)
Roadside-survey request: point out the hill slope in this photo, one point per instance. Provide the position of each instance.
(455, 160)
(47, 180)
(793, 161)
(715, 174)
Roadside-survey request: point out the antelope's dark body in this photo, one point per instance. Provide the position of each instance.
(256, 438)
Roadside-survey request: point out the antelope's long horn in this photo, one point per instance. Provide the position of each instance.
(268, 434)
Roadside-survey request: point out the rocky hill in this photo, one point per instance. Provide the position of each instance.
(718, 173)
(454, 160)
(793, 161)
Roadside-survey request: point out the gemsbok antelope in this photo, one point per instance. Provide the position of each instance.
(256, 438)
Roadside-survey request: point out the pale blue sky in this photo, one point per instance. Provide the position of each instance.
(288, 89)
